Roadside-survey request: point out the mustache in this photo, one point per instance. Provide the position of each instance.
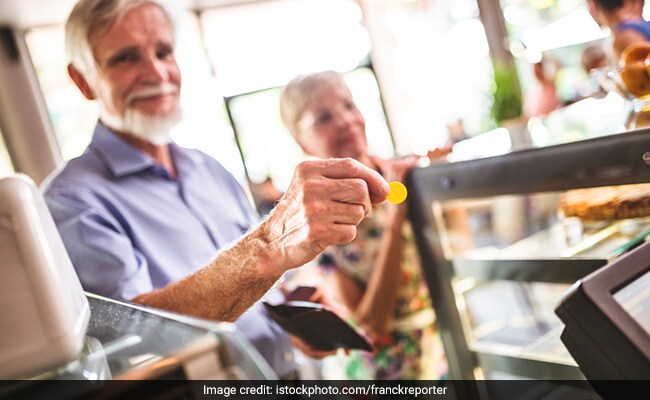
(150, 91)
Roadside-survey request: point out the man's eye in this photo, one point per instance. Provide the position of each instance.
(123, 59)
(162, 54)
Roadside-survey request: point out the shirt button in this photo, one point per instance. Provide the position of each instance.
(288, 355)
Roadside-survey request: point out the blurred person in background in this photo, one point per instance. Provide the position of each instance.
(377, 277)
(624, 18)
(595, 60)
(594, 57)
(544, 98)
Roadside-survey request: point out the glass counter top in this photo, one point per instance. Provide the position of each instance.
(127, 341)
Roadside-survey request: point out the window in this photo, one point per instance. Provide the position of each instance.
(433, 61)
(73, 117)
(6, 166)
(265, 44)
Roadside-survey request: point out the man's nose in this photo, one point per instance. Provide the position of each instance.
(155, 69)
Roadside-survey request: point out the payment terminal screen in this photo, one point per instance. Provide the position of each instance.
(635, 299)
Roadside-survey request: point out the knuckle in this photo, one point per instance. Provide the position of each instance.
(359, 213)
(312, 189)
(359, 185)
(349, 163)
(315, 233)
(302, 167)
(313, 209)
(347, 234)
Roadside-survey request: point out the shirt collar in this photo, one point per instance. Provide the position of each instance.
(185, 160)
(123, 159)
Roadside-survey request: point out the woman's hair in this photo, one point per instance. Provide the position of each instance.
(299, 93)
(91, 18)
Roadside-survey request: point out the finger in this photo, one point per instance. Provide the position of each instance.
(336, 200)
(401, 167)
(320, 354)
(317, 296)
(351, 214)
(338, 168)
(351, 191)
(337, 233)
(382, 163)
(412, 158)
(411, 161)
(333, 212)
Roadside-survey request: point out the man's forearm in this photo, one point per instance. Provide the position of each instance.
(237, 277)
(323, 205)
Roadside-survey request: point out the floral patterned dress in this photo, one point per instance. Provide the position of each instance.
(413, 350)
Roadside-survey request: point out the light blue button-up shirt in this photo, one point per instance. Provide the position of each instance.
(130, 228)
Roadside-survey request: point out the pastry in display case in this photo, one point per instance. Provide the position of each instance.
(607, 203)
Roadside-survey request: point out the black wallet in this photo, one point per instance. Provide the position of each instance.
(315, 324)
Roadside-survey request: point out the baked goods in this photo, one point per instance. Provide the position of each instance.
(634, 69)
(606, 203)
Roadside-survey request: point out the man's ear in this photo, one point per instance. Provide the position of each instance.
(81, 82)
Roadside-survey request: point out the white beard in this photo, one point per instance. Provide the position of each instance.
(155, 129)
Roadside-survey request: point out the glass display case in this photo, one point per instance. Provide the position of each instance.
(128, 342)
(500, 247)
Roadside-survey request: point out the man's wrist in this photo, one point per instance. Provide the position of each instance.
(269, 253)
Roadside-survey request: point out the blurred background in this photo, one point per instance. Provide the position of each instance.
(423, 72)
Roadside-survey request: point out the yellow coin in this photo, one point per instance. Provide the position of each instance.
(397, 192)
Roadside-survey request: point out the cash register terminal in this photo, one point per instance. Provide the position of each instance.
(607, 321)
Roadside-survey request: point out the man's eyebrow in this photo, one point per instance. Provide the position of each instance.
(164, 44)
(131, 50)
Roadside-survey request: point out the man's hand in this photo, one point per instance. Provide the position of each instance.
(323, 205)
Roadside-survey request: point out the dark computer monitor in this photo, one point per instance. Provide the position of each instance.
(607, 318)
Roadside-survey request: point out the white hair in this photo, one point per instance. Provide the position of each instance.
(91, 18)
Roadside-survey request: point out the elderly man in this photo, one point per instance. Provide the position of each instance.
(147, 221)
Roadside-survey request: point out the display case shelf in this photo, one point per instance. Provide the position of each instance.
(556, 270)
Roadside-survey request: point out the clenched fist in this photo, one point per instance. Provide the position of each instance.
(323, 205)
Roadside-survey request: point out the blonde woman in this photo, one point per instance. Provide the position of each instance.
(376, 276)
